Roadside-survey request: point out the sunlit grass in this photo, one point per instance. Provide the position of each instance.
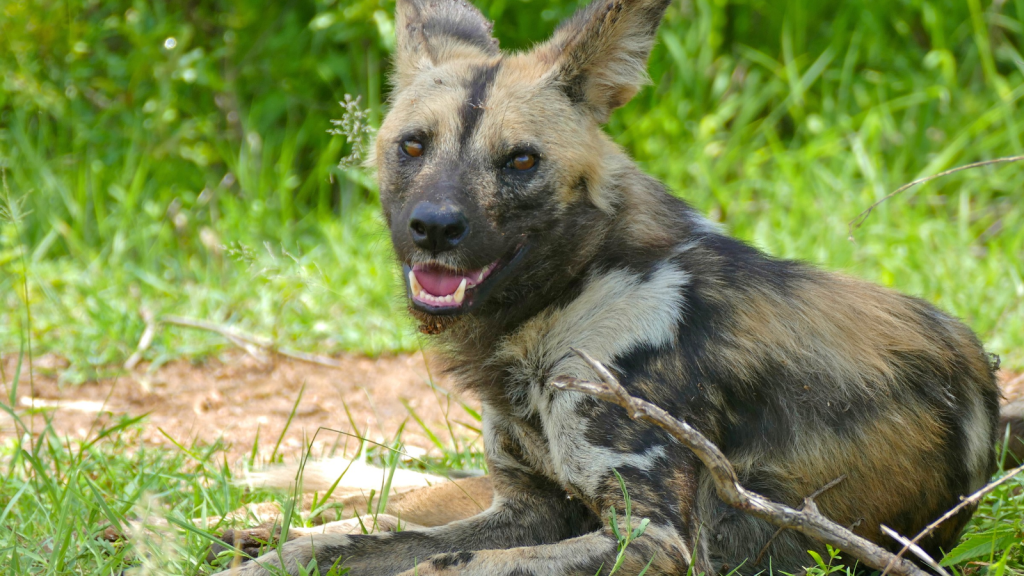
(105, 501)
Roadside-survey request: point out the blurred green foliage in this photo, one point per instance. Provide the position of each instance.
(175, 156)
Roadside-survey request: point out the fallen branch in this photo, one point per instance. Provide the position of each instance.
(971, 500)
(859, 220)
(145, 341)
(815, 494)
(87, 406)
(251, 343)
(917, 550)
(807, 520)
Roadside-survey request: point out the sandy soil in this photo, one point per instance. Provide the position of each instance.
(231, 398)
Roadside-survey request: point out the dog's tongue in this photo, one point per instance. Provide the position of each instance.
(438, 282)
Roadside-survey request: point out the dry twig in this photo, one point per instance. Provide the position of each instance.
(917, 550)
(863, 216)
(971, 500)
(145, 342)
(250, 343)
(807, 520)
(815, 494)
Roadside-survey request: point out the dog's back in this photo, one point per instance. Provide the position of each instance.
(810, 376)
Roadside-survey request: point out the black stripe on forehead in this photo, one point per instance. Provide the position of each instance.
(473, 108)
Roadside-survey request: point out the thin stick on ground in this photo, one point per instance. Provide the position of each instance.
(971, 500)
(145, 341)
(917, 550)
(249, 342)
(808, 520)
(859, 220)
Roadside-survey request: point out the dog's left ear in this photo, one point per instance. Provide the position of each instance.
(431, 32)
(599, 56)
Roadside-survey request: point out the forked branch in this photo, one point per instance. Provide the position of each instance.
(250, 343)
(971, 500)
(807, 520)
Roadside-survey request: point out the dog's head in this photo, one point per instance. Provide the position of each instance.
(494, 171)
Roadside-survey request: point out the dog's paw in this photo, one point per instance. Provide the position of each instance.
(449, 564)
(254, 542)
(250, 542)
(295, 556)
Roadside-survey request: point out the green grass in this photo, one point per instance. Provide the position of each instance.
(61, 497)
(337, 291)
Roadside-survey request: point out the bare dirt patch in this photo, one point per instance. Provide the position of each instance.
(1012, 385)
(232, 398)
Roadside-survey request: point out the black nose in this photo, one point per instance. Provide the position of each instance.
(437, 227)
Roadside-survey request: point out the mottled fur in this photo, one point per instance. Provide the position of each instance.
(799, 375)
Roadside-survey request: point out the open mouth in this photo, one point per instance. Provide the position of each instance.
(441, 290)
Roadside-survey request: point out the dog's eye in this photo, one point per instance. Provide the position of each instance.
(522, 161)
(413, 147)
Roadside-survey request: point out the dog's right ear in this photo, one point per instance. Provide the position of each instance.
(431, 32)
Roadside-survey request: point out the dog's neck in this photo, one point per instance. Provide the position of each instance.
(646, 225)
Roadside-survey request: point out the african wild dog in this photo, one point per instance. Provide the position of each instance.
(524, 231)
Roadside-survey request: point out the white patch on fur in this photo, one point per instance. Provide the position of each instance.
(685, 247)
(577, 461)
(704, 225)
(979, 443)
(616, 312)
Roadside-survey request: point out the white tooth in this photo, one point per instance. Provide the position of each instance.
(414, 284)
(448, 298)
(460, 292)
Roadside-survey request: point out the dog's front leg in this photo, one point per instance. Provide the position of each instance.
(660, 550)
(527, 511)
(661, 500)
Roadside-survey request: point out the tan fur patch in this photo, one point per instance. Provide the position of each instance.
(848, 327)
(888, 464)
